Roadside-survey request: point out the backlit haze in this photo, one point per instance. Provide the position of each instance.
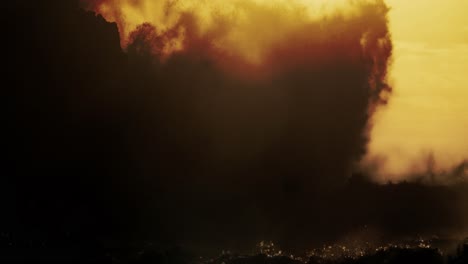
(216, 124)
(425, 125)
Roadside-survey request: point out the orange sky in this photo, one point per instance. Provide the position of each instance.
(250, 21)
(428, 112)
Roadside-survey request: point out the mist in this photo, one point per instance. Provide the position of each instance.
(170, 138)
(426, 116)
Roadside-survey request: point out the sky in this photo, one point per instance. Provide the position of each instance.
(428, 111)
(426, 117)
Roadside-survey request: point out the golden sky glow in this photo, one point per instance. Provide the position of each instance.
(253, 24)
(428, 111)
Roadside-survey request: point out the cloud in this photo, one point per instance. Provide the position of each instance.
(188, 142)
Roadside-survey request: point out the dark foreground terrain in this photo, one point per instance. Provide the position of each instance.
(14, 252)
